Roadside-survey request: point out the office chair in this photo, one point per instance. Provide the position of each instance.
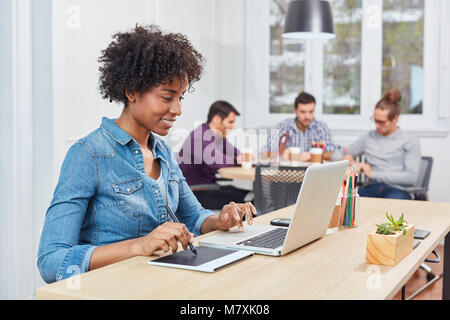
(420, 190)
(417, 192)
(276, 187)
(216, 187)
(206, 186)
(209, 186)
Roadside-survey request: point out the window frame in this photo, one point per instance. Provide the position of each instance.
(432, 121)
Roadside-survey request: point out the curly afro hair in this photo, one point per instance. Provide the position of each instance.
(145, 57)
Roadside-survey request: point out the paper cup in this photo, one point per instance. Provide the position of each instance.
(247, 155)
(246, 165)
(295, 154)
(316, 155)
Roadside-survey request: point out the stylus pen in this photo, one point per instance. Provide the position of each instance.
(175, 219)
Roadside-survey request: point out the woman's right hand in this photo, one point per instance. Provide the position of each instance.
(165, 238)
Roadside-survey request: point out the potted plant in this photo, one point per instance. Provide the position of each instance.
(391, 242)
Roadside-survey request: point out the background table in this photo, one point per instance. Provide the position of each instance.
(330, 268)
(239, 173)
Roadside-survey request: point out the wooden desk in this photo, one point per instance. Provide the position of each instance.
(330, 268)
(239, 173)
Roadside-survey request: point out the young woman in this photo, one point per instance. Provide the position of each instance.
(392, 155)
(110, 200)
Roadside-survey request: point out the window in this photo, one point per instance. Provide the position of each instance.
(379, 45)
(341, 88)
(403, 44)
(342, 60)
(287, 62)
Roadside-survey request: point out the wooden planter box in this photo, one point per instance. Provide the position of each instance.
(389, 249)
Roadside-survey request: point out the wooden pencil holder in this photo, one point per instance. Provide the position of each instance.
(389, 249)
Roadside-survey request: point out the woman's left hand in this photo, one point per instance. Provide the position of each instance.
(231, 215)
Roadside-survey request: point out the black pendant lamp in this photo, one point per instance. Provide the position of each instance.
(309, 19)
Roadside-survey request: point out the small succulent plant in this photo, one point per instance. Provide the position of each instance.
(392, 226)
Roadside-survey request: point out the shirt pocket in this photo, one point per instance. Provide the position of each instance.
(173, 193)
(130, 197)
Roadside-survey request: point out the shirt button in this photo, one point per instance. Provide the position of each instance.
(163, 216)
(128, 190)
(156, 191)
(136, 152)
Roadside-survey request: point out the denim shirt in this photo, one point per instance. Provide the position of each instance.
(104, 196)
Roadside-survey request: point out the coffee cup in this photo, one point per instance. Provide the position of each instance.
(247, 158)
(247, 155)
(246, 165)
(335, 220)
(267, 156)
(316, 155)
(295, 154)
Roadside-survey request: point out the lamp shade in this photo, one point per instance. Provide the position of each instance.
(309, 19)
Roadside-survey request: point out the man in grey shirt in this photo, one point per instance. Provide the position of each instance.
(392, 156)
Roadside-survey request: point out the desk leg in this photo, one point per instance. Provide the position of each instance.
(446, 277)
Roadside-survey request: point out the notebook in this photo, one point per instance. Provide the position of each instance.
(207, 259)
(310, 216)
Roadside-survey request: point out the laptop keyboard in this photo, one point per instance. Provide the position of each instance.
(271, 239)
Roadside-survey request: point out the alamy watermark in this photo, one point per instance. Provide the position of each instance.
(209, 147)
(74, 281)
(373, 281)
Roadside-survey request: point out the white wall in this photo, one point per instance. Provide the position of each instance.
(17, 145)
(7, 175)
(42, 129)
(213, 27)
(82, 29)
(439, 149)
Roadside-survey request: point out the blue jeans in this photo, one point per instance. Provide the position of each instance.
(382, 190)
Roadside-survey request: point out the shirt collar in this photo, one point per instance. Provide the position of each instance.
(311, 126)
(123, 138)
(391, 136)
(120, 135)
(115, 132)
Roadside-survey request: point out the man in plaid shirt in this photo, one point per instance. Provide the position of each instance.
(303, 131)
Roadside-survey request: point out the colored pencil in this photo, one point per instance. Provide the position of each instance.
(341, 209)
(345, 195)
(350, 204)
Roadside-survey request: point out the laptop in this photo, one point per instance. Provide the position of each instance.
(310, 217)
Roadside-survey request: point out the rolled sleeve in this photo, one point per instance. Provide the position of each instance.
(201, 219)
(75, 260)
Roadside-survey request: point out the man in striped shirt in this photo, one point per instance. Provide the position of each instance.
(302, 131)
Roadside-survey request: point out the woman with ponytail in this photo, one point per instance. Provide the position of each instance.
(392, 156)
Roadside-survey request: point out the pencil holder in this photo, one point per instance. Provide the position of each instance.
(349, 209)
